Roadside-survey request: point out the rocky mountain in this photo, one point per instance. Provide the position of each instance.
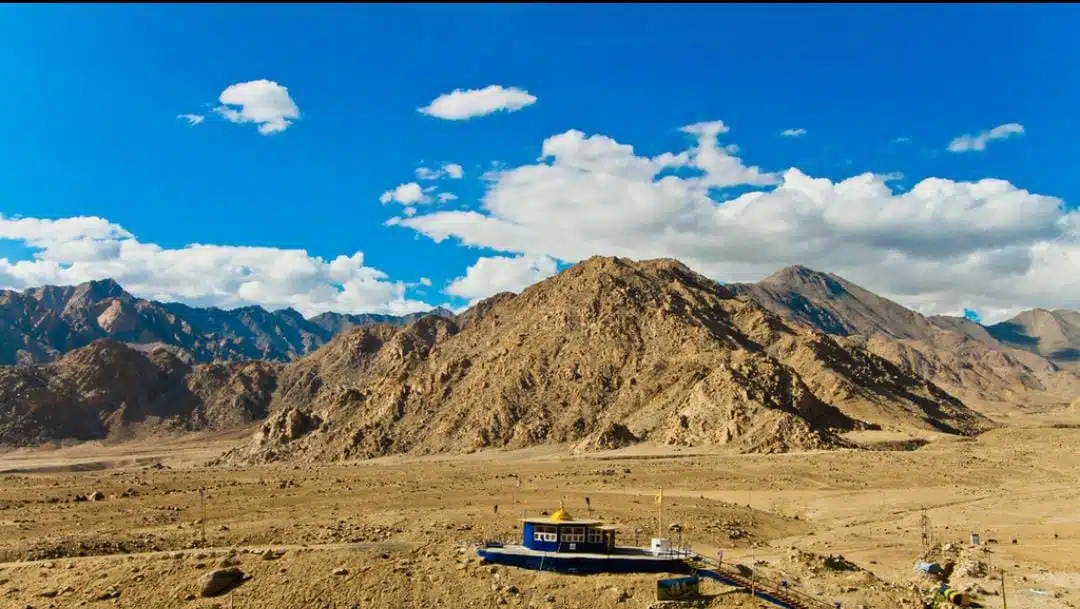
(109, 390)
(609, 352)
(961, 356)
(40, 324)
(1054, 335)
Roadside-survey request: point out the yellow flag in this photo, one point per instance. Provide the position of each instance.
(660, 497)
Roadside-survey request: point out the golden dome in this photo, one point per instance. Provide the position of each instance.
(561, 516)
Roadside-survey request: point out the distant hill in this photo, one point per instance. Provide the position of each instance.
(967, 359)
(1054, 335)
(109, 390)
(40, 324)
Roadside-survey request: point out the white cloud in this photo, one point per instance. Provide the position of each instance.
(454, 171)
(263, 102)
(424, 281)
(491, 275)
(73, 250)
(793, 132)
(192, 119)
(426, 173)
(903, 139)
(465, 104)
(720, 165)
(968, 143)
(406, 194)
(450, 170)
(941, 246)
(446, 197)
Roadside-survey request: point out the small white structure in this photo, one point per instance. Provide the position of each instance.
(660, 546)
(974, 539)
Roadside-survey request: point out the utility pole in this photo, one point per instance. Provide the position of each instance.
(1004, 601)
(202, 503)
(750, 504)
(753, 578)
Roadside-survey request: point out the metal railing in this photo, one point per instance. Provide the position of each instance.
(793, 598)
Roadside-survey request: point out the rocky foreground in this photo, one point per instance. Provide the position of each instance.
(398, 532)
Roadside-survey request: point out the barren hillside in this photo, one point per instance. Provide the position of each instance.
(1051, 334)
(609, 350)
(109, 390)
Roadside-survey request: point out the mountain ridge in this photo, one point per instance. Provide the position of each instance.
(608, 353)
(41, 324)
(958, 354)
(609, 350)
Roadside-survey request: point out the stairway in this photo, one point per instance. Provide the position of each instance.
(764, 589)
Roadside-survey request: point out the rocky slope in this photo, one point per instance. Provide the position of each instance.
(961, 356)
(608, 352)
(40, 324)
(109, 390)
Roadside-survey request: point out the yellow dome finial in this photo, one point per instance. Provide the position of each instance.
(561, 515)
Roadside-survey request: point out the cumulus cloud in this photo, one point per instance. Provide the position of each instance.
(406, 194)
(969, 143)
(68, 251)
(461, 104)
(449, 170)
(192, 119)
(424, 281)
(263, 102)
(494, 274)
(793, 132)
(940, 247)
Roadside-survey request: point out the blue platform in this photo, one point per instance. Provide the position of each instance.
(619, 560)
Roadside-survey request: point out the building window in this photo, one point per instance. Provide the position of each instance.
(573, 535)
(547, 534)
(596, 536)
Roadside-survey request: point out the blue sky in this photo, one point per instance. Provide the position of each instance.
(93, 92)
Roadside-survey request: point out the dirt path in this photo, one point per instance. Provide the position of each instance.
(216, 550)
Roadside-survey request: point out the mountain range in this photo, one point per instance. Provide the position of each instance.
(40, 324)
(1025, 359)
(607, 353)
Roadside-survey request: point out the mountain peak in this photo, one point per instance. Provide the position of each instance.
(795, 273)
(1051, 334)
(616, 264)
(442, 312)
(100, 289)
(800, 278)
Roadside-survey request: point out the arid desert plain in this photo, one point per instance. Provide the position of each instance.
(397, 532)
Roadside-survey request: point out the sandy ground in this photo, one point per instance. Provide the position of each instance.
(396, 533)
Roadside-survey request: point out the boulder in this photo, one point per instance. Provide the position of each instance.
(220, 581)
